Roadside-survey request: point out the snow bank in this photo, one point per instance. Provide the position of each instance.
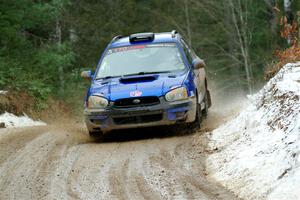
(2, 92)
(257, 154)
(10, 120)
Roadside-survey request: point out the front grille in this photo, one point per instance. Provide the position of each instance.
(138, 119)
(137, 101)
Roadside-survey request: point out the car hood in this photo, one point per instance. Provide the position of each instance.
(142, 85)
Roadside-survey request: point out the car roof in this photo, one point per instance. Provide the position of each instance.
(158, 38)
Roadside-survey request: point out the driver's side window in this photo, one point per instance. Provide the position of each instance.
(188, 52)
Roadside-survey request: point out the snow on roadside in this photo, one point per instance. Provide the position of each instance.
(10, 121)
(257, 154)
(2, 92)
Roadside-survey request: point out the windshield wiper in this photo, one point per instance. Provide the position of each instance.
(139, 73)
(107, 77)
(143, 73)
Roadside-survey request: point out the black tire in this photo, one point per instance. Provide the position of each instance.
(95, 134)
(208, 98)
(206, 102)
(197, 123)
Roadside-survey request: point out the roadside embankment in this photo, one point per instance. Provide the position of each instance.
(257, 154)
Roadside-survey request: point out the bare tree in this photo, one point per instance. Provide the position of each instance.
(288, 10)
(243, 32)
(188, 23)
(58, 6)
(289, 16)
(58, 36)
(273, 17)
(234, 23)
(298, 22)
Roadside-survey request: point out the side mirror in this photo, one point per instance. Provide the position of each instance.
(87, 75)
(198, 63)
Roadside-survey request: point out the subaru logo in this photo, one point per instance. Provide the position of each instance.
(136, 101)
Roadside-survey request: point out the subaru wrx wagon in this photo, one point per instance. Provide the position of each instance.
(146, 79)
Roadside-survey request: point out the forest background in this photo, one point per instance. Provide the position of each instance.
(45, 44)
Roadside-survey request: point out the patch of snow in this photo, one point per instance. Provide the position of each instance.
(257, 154)
(10, 121)
(3, 92)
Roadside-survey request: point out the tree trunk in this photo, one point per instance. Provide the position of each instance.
(58, 34)
(188, 23)
(289, 16)
(298, 21)
(288, 11)
(234, 69)
(240, 24)
(271, 4)
(72, 35)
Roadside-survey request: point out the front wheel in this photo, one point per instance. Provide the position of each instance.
(206, 102)
(95, 134)
(197, 123)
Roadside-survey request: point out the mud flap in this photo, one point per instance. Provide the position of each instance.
(208, 98)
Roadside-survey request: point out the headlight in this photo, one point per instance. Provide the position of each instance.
(177, 94)
(97, 102)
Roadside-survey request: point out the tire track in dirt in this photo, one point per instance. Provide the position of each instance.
(60, 185)
(180, 179)
(118, 181)
(20, 171)
(63, 163)
(9, 137)
(144, 188)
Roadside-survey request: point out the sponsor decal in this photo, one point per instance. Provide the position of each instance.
(135, 47)
(128, 48)
(135, 93)
(109, 52)
(162, 45)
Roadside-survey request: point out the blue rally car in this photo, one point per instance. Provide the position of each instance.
(146, 79)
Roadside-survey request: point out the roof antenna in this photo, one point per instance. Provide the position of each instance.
(174, 32)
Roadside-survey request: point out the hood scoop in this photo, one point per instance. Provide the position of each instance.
(137, 79)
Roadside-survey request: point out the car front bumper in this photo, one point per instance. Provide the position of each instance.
(165, 113)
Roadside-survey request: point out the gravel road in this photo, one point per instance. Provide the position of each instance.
(59, 162)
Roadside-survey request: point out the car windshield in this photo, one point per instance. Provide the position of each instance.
(140, 59)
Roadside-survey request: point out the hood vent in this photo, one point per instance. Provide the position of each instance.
(137, 79)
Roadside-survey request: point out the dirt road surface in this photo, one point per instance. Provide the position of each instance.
(59, 162)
